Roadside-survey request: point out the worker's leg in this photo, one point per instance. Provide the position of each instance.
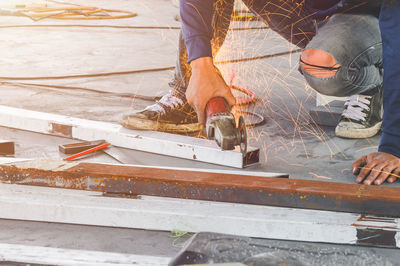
(289, 18)
(319, 63)
(345, 59)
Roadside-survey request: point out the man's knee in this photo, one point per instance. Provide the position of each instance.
(318, 63)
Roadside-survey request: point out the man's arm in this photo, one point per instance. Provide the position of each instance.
(205, 83)
(385, 164)
(197, 30)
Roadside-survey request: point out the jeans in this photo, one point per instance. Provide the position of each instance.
(390, 26)
(354, 41)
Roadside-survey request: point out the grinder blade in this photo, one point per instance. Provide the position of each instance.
(242, 135)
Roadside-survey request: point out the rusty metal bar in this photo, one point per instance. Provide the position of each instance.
(134, 180)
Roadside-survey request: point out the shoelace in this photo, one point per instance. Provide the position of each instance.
(169, 100)
(356, 105)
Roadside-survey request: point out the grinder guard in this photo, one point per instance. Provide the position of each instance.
(221, 126)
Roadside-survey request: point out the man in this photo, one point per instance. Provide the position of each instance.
(342, 57)
(385, 164)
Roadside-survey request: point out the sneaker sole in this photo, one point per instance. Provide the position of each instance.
(351, 133)
(143, 124)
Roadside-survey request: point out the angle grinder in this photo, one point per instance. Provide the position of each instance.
(221, 126)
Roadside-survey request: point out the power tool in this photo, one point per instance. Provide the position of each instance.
(221, 126)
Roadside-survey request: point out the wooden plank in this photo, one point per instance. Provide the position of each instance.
(166, 214)
(213, 186)
(58, 256)
(155, 142)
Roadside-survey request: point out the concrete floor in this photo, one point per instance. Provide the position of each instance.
(92, 238)
(289, 142)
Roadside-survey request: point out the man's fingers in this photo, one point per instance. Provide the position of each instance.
(230, 98)
(189, 99)
(227, 95)
(358, 164)
(375, 171)
(394, 176)
(201, 117)
(365, 171)
(199, 111)
(377, 168)
(384, 174)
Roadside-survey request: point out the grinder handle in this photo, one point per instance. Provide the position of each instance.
(217, 105)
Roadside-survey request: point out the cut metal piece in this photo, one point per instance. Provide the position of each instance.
(73, 148)
(155, 142)
(207, 185)
(7, 147)
(328, 114)
(87, 152)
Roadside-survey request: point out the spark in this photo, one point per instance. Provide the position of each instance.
(290, 128)
(320, 176)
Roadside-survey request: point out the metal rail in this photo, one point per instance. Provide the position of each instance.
(128, 180)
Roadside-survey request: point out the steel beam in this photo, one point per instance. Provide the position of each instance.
(131, 180)
(68, 206)
(185, 147)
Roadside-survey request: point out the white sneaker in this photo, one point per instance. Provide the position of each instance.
(362, 116)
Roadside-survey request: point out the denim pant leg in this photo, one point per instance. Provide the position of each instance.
(289, 18)
(390, 26)
(354, 41)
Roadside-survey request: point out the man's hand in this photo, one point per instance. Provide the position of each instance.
(205, 84)
(376, 168)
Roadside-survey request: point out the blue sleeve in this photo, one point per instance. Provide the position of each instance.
(390, 29)
(197, 30)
